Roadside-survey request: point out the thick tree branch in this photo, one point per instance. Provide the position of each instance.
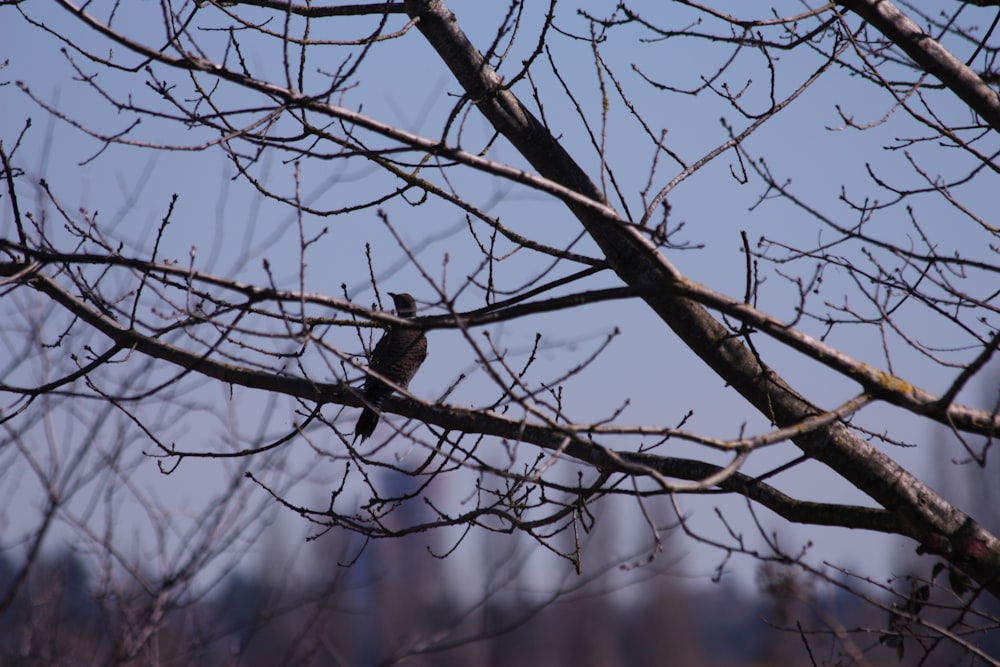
(930, 56)
(639, 264)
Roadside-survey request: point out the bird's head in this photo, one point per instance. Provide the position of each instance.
(405, 305)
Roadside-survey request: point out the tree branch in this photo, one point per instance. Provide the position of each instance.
(638, 263)
(930, 56)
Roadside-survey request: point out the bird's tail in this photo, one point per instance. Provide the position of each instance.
(366, 424)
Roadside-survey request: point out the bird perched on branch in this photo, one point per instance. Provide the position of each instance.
(396, 358)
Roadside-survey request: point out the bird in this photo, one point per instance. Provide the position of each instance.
(396, 357)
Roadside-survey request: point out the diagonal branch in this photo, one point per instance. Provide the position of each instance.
(928, 53)
(924, 513)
